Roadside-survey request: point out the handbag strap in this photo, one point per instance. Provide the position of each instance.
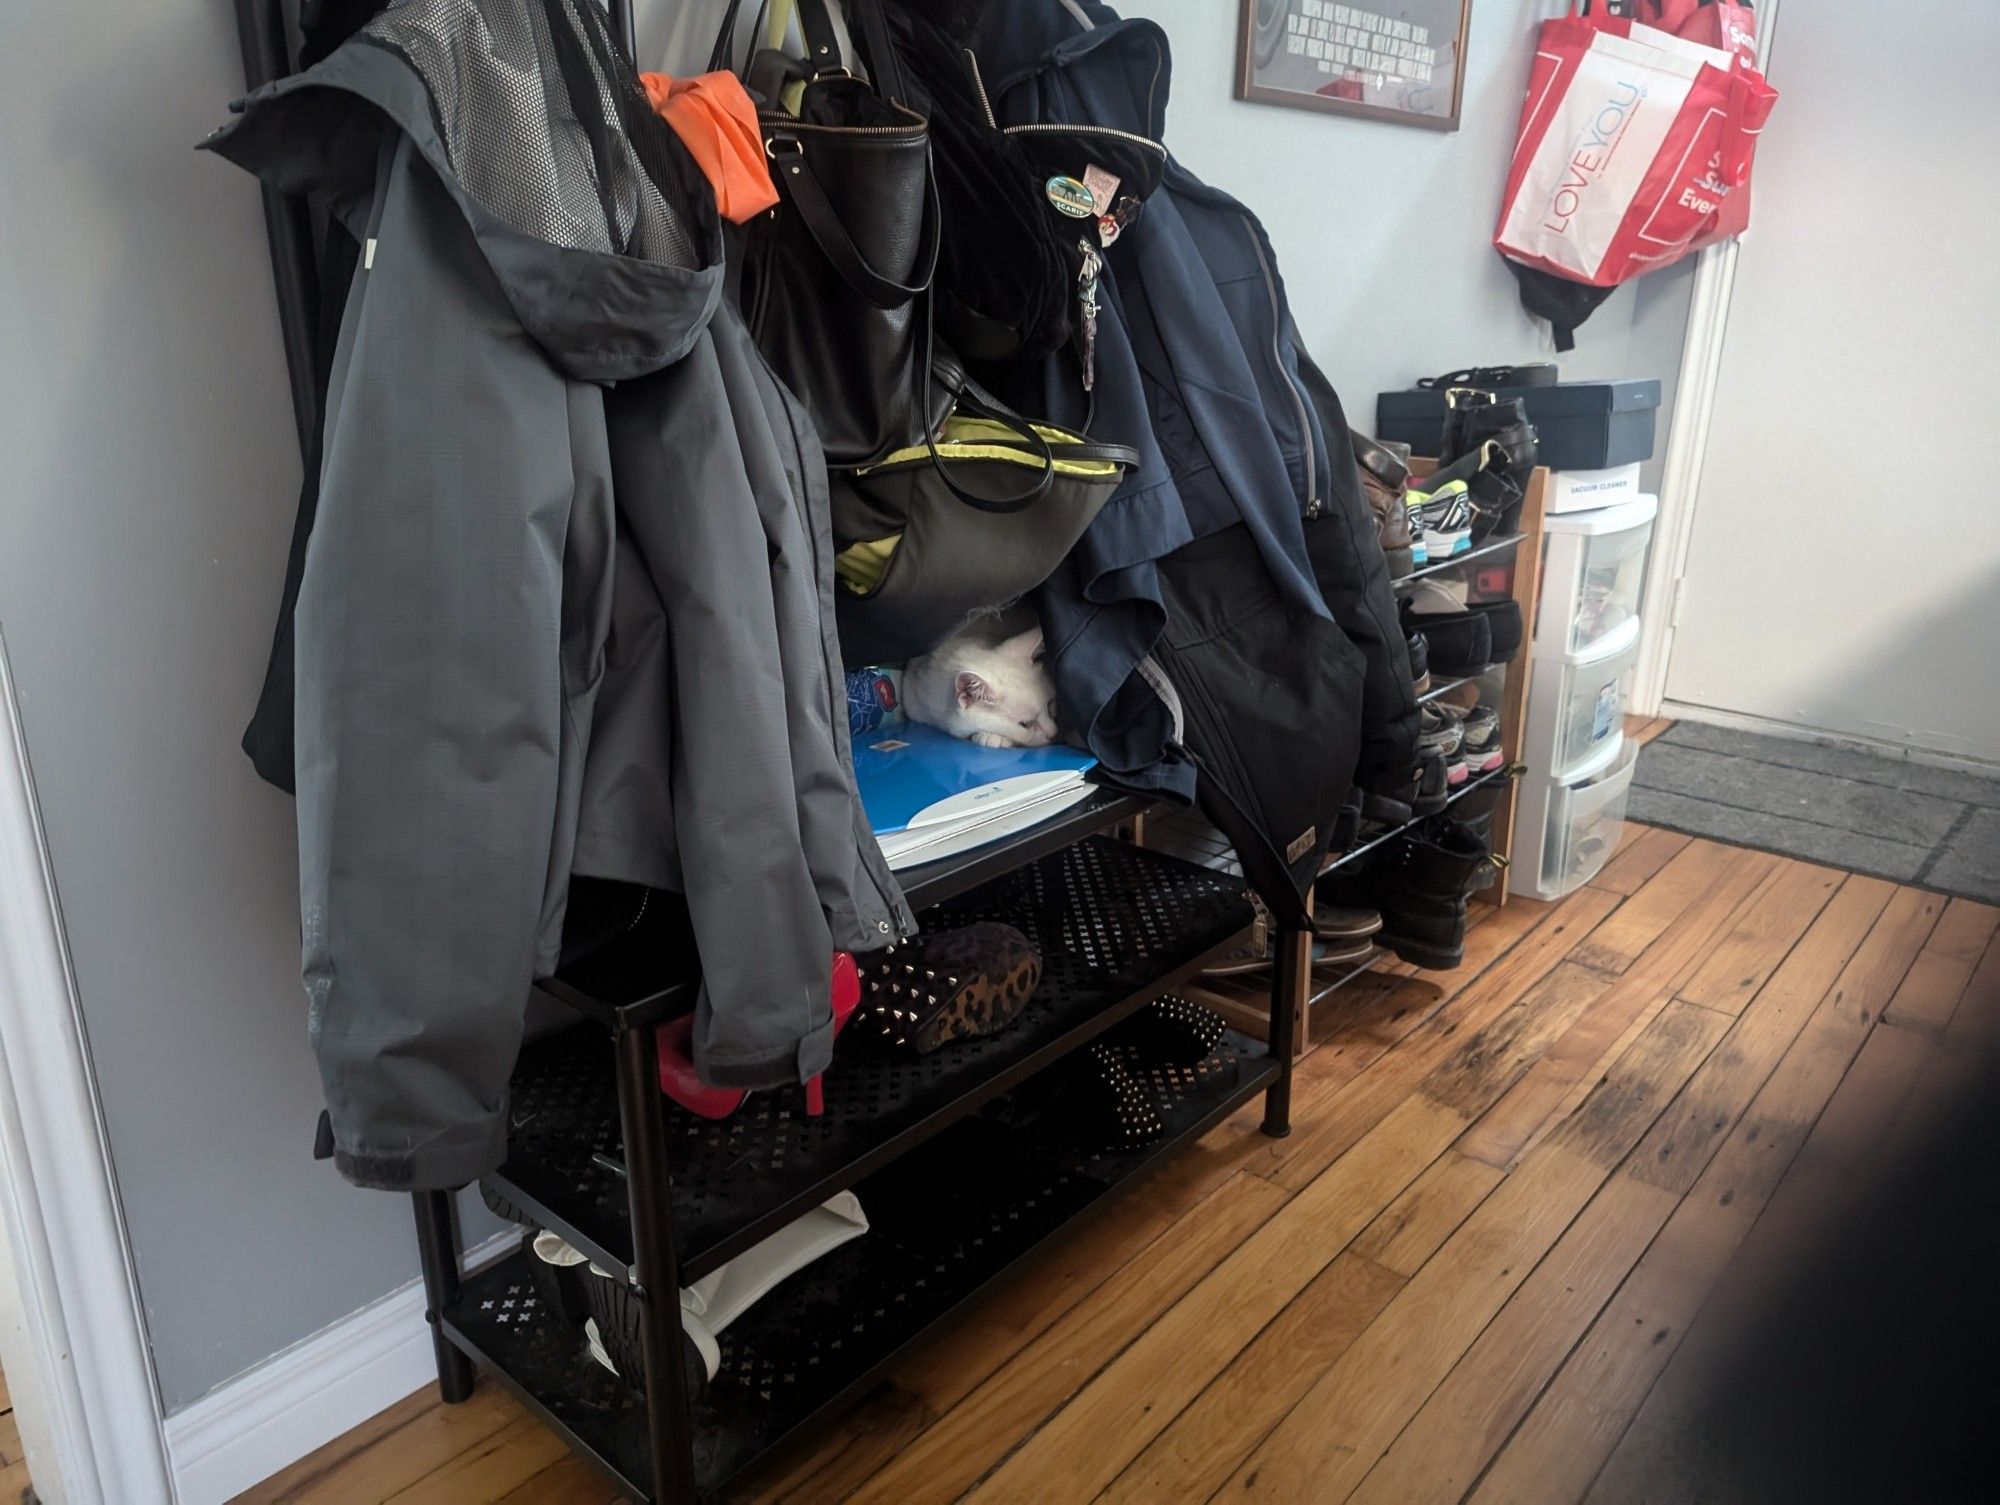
(968, 394)
(823, 54)
(816, 212)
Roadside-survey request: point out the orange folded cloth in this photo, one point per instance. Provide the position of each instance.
(717, 122)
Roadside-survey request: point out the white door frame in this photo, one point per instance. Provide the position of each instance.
(95, 1431)
(1687, 447)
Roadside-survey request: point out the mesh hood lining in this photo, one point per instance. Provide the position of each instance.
(546, 129)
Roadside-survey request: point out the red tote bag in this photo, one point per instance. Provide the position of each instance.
(1721, 24)
(1635, 149)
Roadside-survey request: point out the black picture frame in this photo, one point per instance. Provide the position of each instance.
(1284, 43)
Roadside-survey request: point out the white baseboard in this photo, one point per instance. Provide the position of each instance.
(1741, 721)
(270, 1417)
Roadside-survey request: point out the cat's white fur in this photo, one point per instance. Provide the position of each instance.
(992, 691)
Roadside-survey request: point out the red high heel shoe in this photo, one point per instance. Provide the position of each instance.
(677, 1078)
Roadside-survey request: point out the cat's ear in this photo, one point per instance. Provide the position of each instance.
(1026, 646)
(972, 690)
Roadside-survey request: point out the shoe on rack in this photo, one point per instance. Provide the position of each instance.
(1482, 739)
(1440, 732)
(1420, 662)
(1445, 516)
(1458, 644)
(1503, 627)
(954, 985)
(1420, 883)
(1498, 432)
(676, 1052)
(1433, 782)
(1436, 596)
(1333, 923)
(1250, 954)
(1385, 474)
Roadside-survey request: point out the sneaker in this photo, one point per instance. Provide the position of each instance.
(1482, 739)
(1440, 740)
(1457, 768)
(1420, 662)
(1446, 519)
(1334, 923)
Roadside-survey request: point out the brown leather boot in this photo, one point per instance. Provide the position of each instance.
(1385, 477)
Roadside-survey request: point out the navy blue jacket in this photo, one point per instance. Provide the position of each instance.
(1198, 367)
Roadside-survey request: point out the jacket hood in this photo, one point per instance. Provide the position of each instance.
(599, 228)
(1079, 62)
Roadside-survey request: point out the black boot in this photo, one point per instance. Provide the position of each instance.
(1419, 883)
(1474, 421)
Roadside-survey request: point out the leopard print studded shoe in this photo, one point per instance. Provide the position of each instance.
(954, 985)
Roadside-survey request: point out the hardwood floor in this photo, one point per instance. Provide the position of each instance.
(1499, 1259)
(13, 1464)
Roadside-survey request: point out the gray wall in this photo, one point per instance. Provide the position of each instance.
(147, 479)
(147, 473)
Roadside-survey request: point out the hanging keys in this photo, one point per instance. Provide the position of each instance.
(1086, 298)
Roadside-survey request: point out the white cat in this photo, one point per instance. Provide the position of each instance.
(992, 690)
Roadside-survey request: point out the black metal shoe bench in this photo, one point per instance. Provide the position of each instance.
(954, 1197)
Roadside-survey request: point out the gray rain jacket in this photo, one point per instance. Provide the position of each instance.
(567, 600)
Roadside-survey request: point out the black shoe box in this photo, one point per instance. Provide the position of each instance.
(1579, 425)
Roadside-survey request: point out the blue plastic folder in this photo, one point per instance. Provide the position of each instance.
(928, 794)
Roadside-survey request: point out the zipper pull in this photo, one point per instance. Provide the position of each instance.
(1086, 297)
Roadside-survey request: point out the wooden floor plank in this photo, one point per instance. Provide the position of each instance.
(1694, 872)
(1409, 1230)
(1643, 851)
(1330, 1440)
(1663, 1437)
(569, 1481)
(484, 1474)
(1643, 729)
(1375, 1092)
(1845, 970)
(1112, 1419)
(1195, 1454)
(1550, 1090)
(951, 1456)
(1438, 1456)
(1761, 938)
(1560, 1445)
(429, 1439)
(1931, 991)
(1443, 1450)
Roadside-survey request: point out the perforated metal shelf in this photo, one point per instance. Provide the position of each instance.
(944, 1221)
(1117, 927)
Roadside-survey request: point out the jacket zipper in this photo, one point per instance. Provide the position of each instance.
(1278, 355)
(979, 83)
(1088, 130)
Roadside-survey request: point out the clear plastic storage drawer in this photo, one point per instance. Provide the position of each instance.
(1585, 821)
(1585, 700)
(1593, 571)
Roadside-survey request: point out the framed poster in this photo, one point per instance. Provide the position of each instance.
(1390, 59)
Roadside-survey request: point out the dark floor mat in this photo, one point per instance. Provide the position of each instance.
(1937, 828)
